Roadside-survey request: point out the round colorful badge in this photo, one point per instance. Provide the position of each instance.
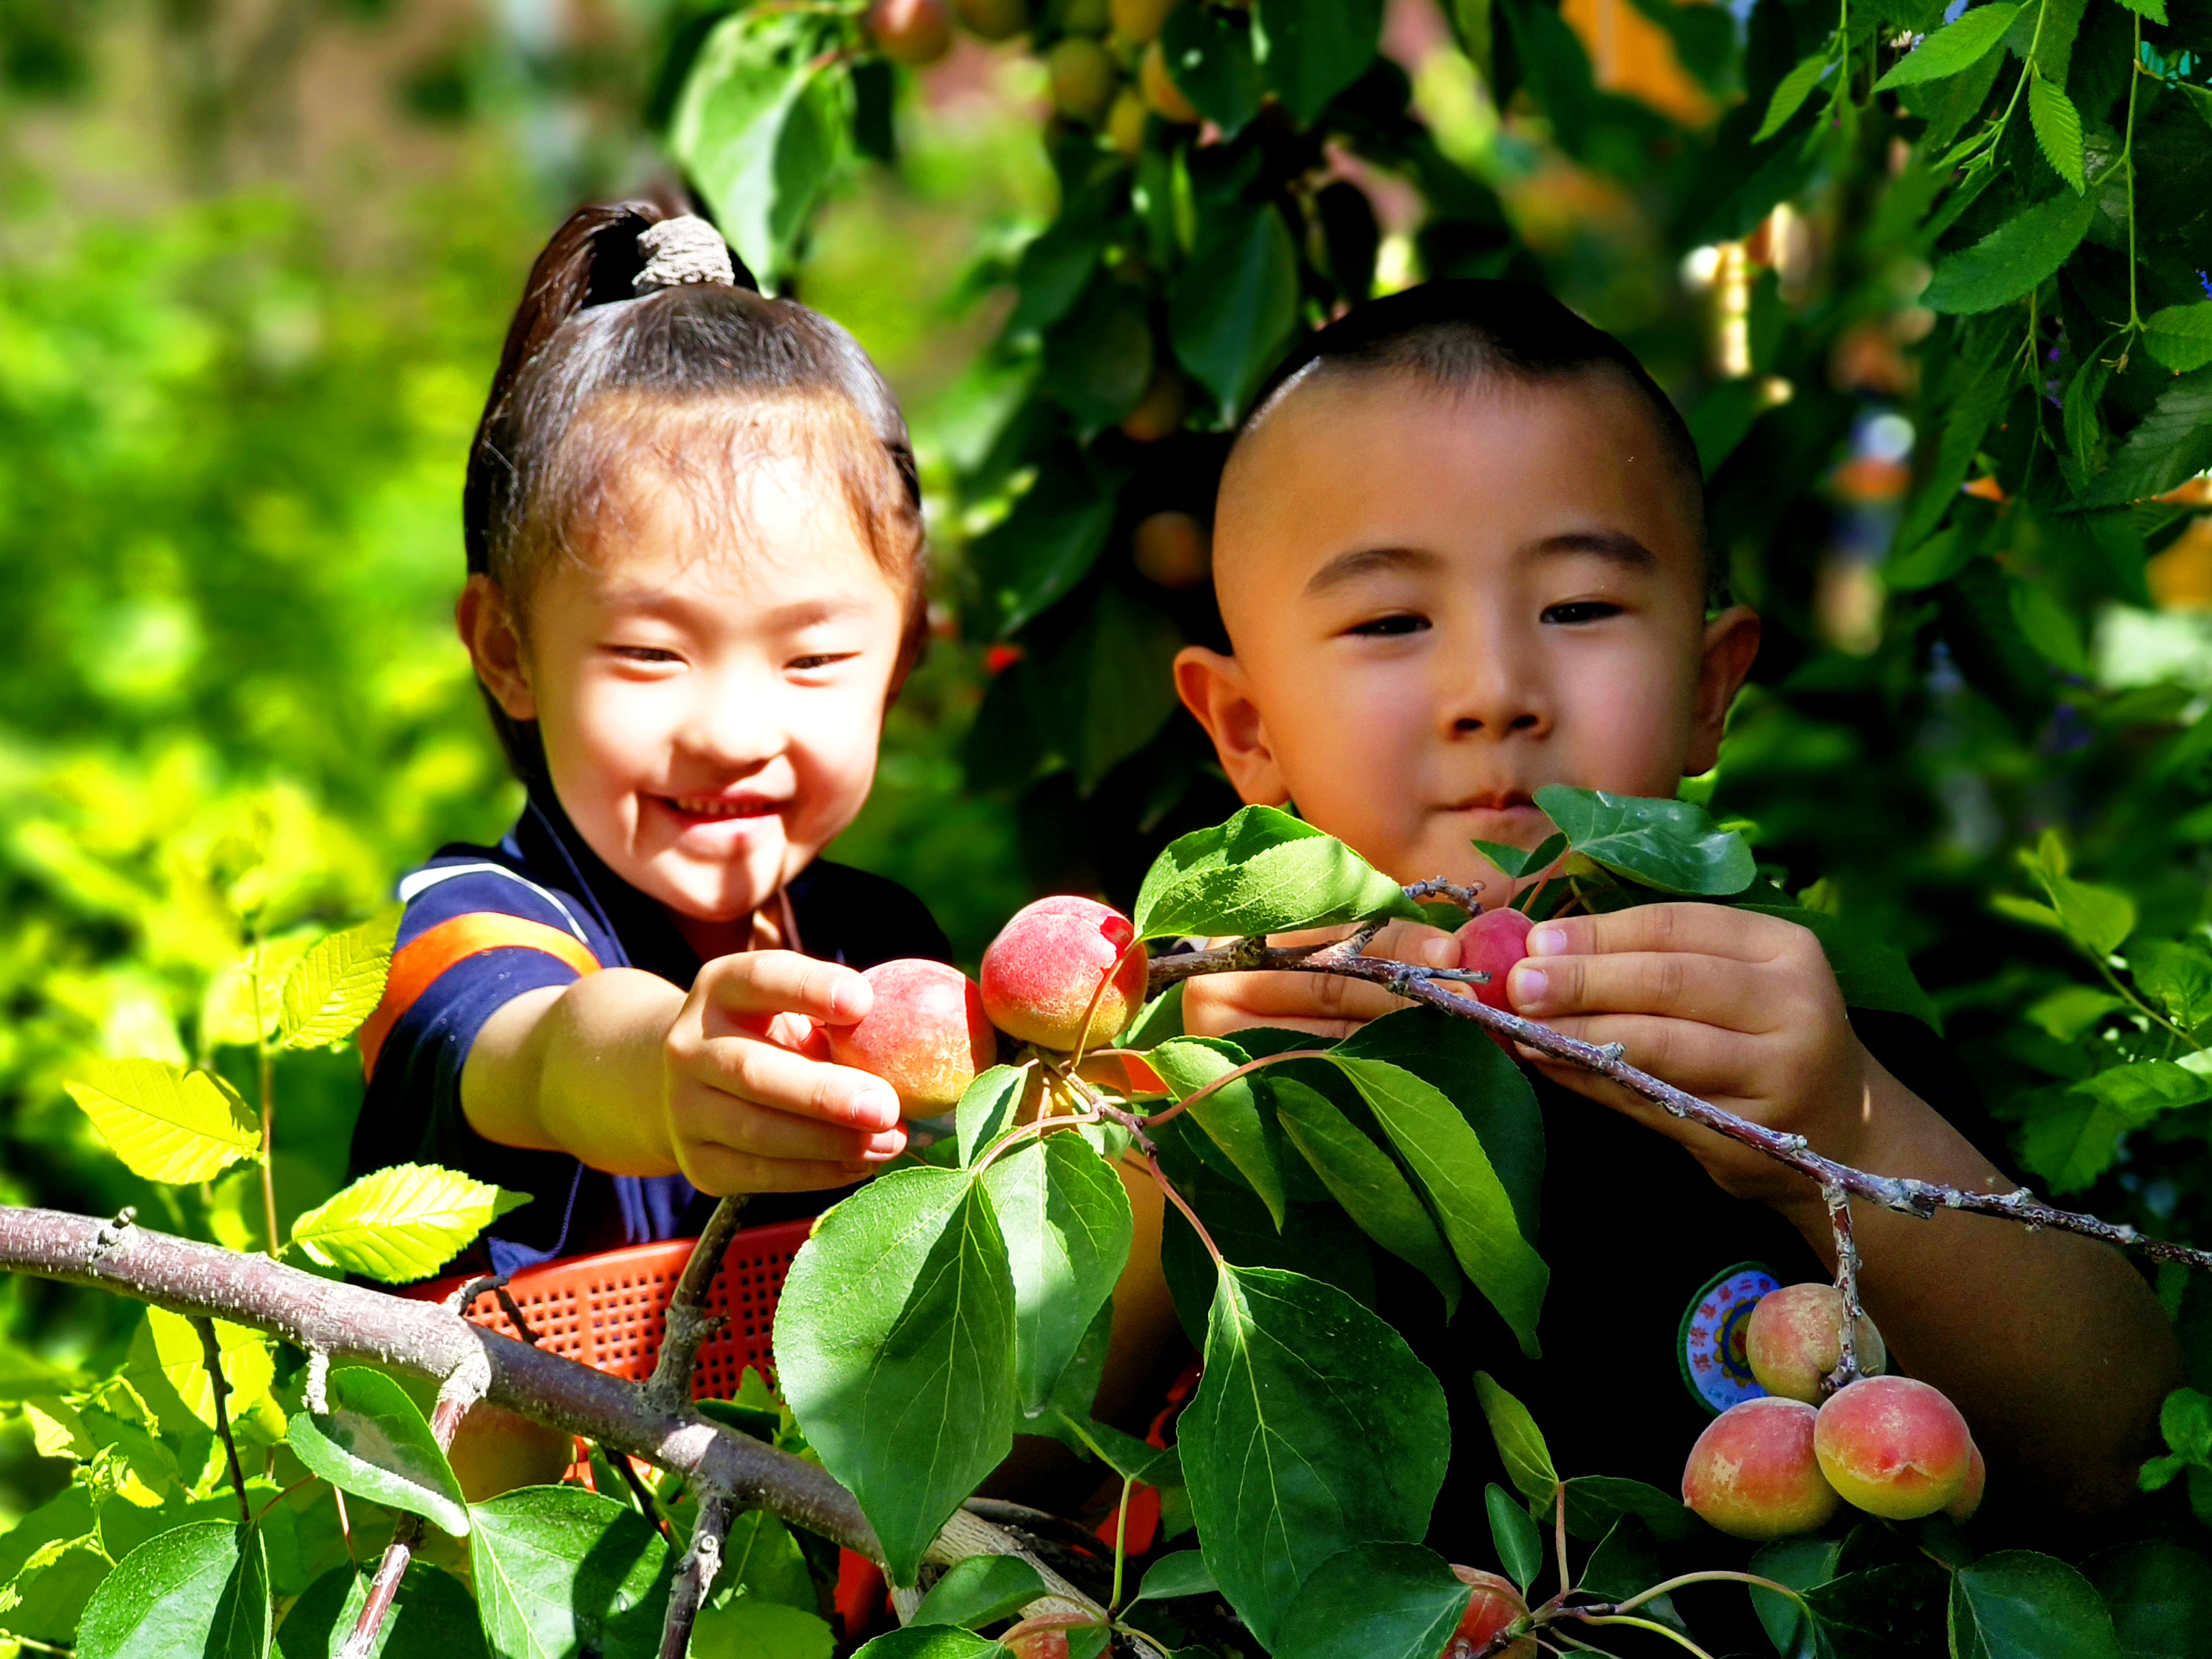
(1710, 1345)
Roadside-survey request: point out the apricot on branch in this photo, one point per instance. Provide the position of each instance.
(1795, 1339)
(1047, 964)
(1754, 1474)
(1893, 1447)
(927, 1036)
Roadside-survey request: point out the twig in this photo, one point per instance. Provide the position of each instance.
(1847, 1289)
(695, 1571)
(1468, 898)
(689, 1325)
(640, 1491)
(221, 1387)
(1189, 1214)
(1225, 1080)
(513, 1312)
(1905, 1194)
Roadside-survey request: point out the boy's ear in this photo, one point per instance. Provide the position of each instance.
(1212, 687)
(487, 628)
(1731, 646)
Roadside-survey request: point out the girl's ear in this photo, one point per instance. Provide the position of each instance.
(487, 628)
(1212, 687)
(1731, 646)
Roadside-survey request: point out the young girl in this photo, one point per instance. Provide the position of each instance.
(694, 554)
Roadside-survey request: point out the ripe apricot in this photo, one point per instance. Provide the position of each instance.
(927, 1036)
(1969, 1499)
(1796, 1337)
(993, 20)
(1046, 965)
(1493, 1603)
(1753, 1472)
(1491, 944)
(1159, 412)
(1172, 549)
(911, 30)
(1893, 1447)
(1083, 79)
(1160, 90)
(495, 1451)
(1137, 22)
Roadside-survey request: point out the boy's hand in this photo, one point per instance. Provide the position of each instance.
(1215, 1005)
(753, 1103)
(1739, 1009)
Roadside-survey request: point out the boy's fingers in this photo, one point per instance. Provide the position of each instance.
(718, 1171)
(1713, 990)
(1416, 942)
(762, 1132)
(1277, 997)
(775, 1077)
(1707, 930)
(783, 981)
(1698, 1059)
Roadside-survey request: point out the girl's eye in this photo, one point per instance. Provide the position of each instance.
(827, 659)
(1388, 628)
(1580, 610)
(652, 654)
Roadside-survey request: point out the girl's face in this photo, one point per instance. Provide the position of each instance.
(710, 711)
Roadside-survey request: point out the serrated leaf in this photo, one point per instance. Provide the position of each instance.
(229, 1015)
(560, 1571)
(167, 1358)
(1360, 1177)
(2013, 260)
(1066, 1219)
(1955, 47)
(188, 1593)
(2057, 126)
(2180, 336)
(1521, 1445)
(1314, 1428)
(402, 1222)
(1672, 845)
(1262, 872)
(374, 1443)
(2169, 445)
(1791, 91)
(168, 1122)
(336, 984)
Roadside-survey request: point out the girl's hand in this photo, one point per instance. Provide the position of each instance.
(1215, 1005)
(752, 1103)
(1738, 1008)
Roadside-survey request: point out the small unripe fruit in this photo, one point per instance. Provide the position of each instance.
(1969, 1499)
(1796, 1338)
(495, 1451)
(1491, 944)
(1136, 21)
(1173, 549)
(1160, 413)
(911, 30)
(1893, 1447)
(993, 20)
(1493, 1603)
(1085, 16)
(1753, 1472)
(1160, 90)
(1047, 964)
(927, 1036)
(1125, 123)
(1082, 77)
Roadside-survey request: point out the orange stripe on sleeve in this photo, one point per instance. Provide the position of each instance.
(418, 963)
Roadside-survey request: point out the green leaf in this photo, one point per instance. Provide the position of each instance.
(2154, 10)
(979, 1590)
(1447, 1160)
(1030, 559)
(1115, 681)
(181, 1595)
(2180, 336)
(2057, 126)
(1519, 1546)
(1521, 1445)
(433, 1615)
(336, 985)
(2169, 445)
(1360, 1177)
(907, 1393)
(1312, 50)
(1513, 863)
(1596, 1502)
(1098, 358)
(1988, 388)
(1671, 845)
(755, 131)
(2160, 1596)
(402, 1223)
(1374, 1600)
(167, 1365)
(1791, 91)
(373, 1443)
(166, 1122)
(1064, 1217)
(933, 1641)
(2045, 622)
(1314, 1428)
(2013, 260)
(1262, 872)
(1881, 1612)
(2017, 1604)
(2177, 977)
(1952, 48)
(1869, 974)
(560, 1571)
(2142, 1089)
(746, 1628)
(1800, 1563)
(1232, 308)
(2071, 1010)
(987, 1109)
(231, 1015)
(1209, 49)
(2071, 1143)
(1184, 1573)
(1230, 1115)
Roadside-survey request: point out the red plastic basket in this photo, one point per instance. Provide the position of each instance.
(609, 1310)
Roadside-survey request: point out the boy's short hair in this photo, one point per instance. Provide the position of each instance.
(1457, 335)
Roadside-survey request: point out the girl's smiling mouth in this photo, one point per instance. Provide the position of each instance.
(711, 809)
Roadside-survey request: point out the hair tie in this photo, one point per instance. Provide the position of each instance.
(686, 249)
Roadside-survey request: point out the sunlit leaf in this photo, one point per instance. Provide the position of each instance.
(1954, 47)
(168, 1122)
(986, 1109)
(374, 1443)
(1230, 1117)
(1521, 1445)
(188, 1593)
(1066, 1219)
(1262, 872)
(402, 1223)
(1671, 845)
(336, 985)
(560, 1571)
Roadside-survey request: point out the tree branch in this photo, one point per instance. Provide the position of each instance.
(695, 1572)
(688, 1325)
(221, 1385)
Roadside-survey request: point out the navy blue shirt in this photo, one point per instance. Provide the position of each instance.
(489, 923)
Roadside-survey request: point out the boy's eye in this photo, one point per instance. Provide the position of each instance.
(1385, 628)
(825, 659)
(1580, 610)
(644, 654)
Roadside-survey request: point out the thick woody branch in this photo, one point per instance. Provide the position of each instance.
(695, 1573)
(689, 1324)
(457, 1393)
(1922, 1200)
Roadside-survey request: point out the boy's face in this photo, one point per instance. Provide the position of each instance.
(710, 712)
(1441, 604)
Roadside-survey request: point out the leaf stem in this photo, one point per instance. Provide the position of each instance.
(2128, 160)
(1713, 1575)
(1653, 1625)
(1189, 1214)
(1228, 1078)
(1105, 980)
(1121, 1539)
(266, 1067)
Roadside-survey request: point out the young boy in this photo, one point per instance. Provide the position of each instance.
(1460, 552)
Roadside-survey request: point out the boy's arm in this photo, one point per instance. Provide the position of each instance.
(726, 1083)
(2052, 1346)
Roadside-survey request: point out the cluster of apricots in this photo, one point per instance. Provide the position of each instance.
(1783, 1463)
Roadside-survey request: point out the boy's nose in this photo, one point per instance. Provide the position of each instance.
(1495, 697)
